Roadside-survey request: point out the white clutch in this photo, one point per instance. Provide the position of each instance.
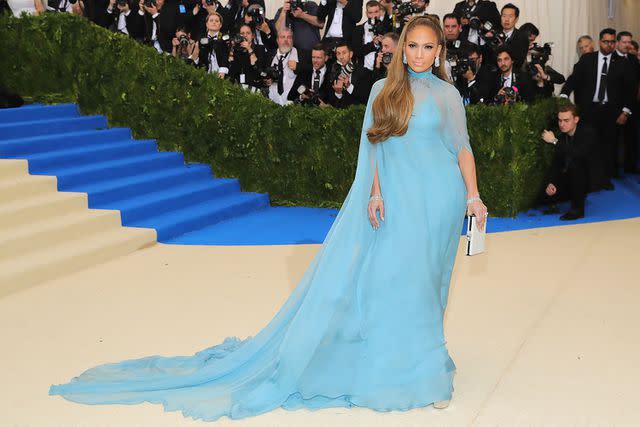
(475, 236)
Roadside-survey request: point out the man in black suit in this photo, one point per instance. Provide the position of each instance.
(517, 40)
(125, 18)
(349, 88)
(509, 77)
(569, 171)
(630, 129)
(486, 11)
(162, 18)
(367, 37)
(604, 93)
(316, 79)
(341, 18)
(477, 83)
(236, 12)
(456, 46)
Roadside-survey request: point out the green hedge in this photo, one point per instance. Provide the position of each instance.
(299, 155)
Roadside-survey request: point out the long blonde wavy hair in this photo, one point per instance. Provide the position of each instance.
(392, 108)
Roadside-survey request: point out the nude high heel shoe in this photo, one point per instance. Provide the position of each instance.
(442, 404)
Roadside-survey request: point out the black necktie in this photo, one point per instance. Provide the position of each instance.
(280, 75)
(316, 81)
(603, 81)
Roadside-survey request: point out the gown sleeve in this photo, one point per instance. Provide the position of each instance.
(455, 132)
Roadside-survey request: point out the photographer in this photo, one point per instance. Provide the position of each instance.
(404, 11)
(264, 31)
(125, 18)
(569, 175)
(476, 81)
(285, 64)
(367, 37)
(301, 17)
(246, 58)
(184, 47)
(544, 76)
(237, 11)
(313, 86)
(532, 32)
(455, 46)
(214, 50)
(511, 85)
(200, 13)
(383, 58)
(475, 16)
(341, 18)
(351, 83)
(161, 20)
(515, 39)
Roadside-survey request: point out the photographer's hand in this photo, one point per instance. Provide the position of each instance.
(286, 7)
(622, 119)
(264, 27)
(298, 13)
(338, 86)
(551, 190)
(549, 137)
(379, 60)
(111, 3)
(292, 65)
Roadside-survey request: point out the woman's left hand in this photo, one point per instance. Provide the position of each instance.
(478, 209)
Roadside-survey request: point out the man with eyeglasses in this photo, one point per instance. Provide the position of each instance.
(604, 93)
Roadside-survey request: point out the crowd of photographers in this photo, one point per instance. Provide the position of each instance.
(489, 58)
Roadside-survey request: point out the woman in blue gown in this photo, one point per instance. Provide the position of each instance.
(364, 326)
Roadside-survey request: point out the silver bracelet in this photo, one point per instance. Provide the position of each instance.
(375, 197)
(474, 199)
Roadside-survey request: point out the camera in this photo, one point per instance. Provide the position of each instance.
(387, 57)
(149, 3)
(538, 55)
(237, 39)
(296, 4)
(340, 70)
(183, 40)
(307, 97)
(376, 26)
(460, 65)
(256, 13)
(269, 73)
(212, 2)
(406, 9)
(511, 96)
(122, 2)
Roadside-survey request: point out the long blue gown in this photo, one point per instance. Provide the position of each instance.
(363, 327)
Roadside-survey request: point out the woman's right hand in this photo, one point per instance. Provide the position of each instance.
(374, 207)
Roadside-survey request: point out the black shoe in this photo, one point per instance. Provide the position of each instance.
(572, 215)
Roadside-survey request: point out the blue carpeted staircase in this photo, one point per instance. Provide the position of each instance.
(151, 189)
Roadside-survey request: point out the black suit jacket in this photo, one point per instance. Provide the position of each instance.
(519, 45)
(483, 88)
(351, 15)
(573, 152)
(221, 49)
(168, 19)
(135, 22)
(360, 49)
(583, 81)
(523, 82)
(361, 79)
(305, 78)
(241, 64)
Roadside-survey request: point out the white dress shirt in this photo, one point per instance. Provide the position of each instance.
(370, 58)
(335, 30)
(288, 76)
(599, 75)
(323, 72)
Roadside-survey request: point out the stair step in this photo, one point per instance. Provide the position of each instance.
(13, 168)
(37, 208)
(56, 230)
(96, 172)
(61, 141)
(105, 192)
(173, 198)
(178, 222)
(38, 111)
(26, 186)
(95, 153)
(49, 263)
(42, 127)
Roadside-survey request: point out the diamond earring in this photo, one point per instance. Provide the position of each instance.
(437, 62)
(404, 58)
